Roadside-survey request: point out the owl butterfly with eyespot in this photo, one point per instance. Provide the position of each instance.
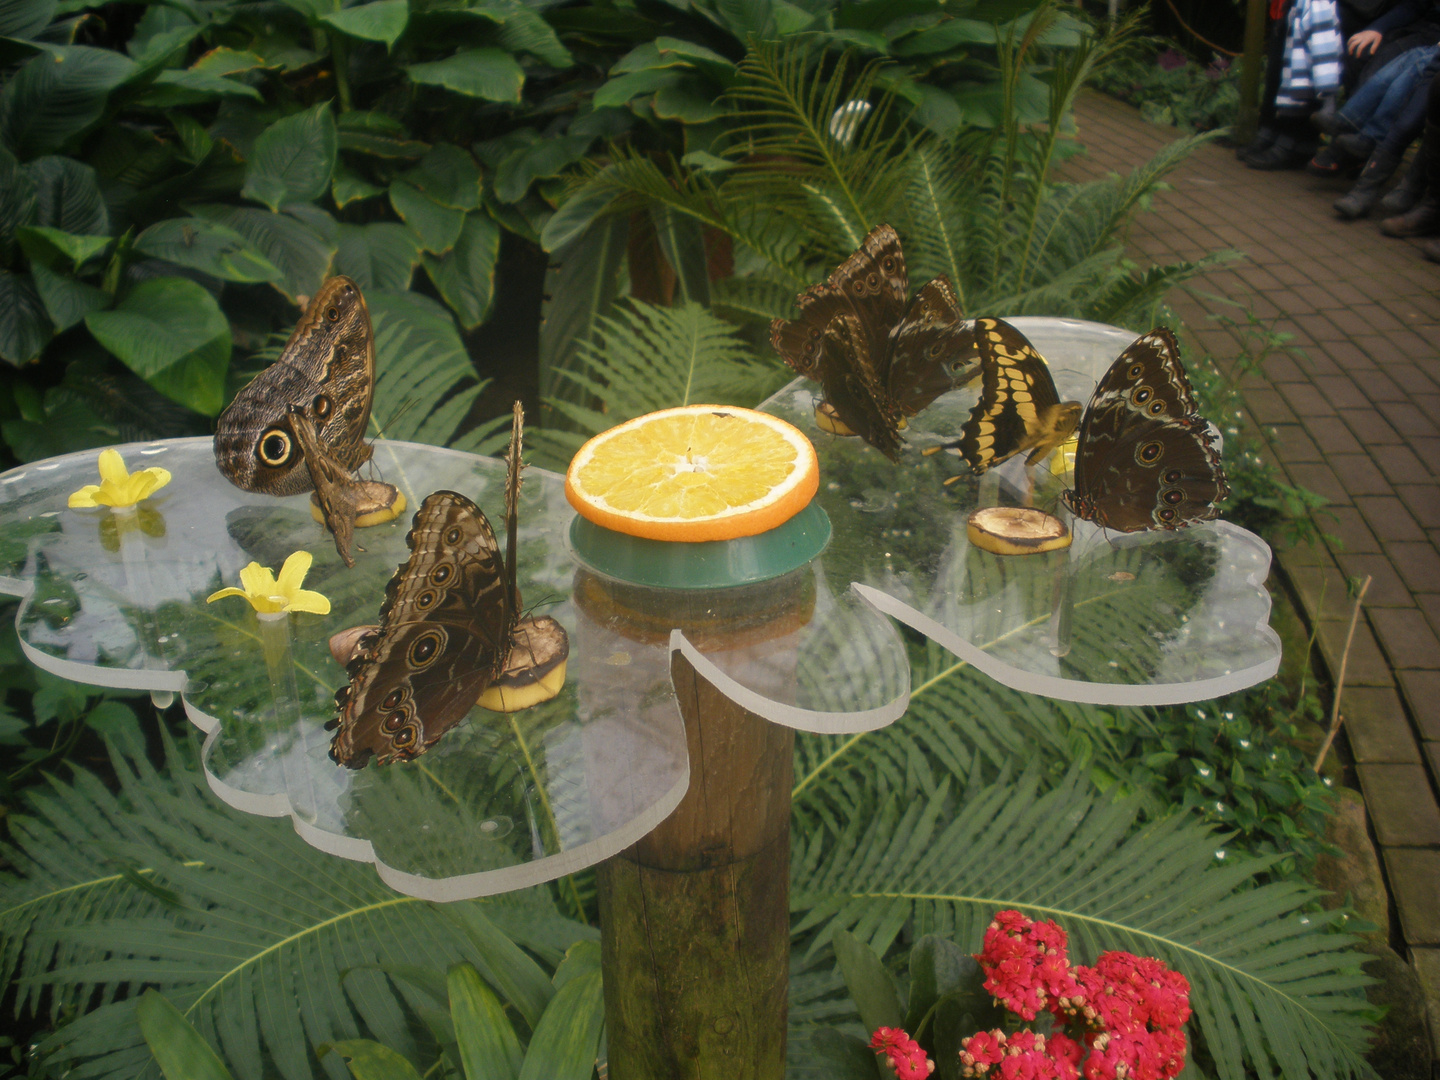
(877, 359)
(445, 630)
(1145, 458)
(300, 424)
(1019, 408)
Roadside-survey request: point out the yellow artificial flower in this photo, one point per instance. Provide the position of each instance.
(269, 595)
(119, 488)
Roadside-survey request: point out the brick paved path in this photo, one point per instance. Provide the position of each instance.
(1355, 411)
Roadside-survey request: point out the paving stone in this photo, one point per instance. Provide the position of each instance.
(1423, 501)
(1426, 963)
(1431, 753)
(1366, 664)
(1407, 417)
(1359, 474)
(1341, 391)
(1378, 728)
(1401, 804)
(1414, 875)
(1293, 444)
(1332, 435)
(1421, 690)
(1319, 478)
(1305, 398)
(1351, 533)
(1401, 465)
(1407, 637)
(1387, 589)
(1418, 565)
(1321, 591)
(1268, 407)
(1369, 426)
(1412, 380)
(1388, 518)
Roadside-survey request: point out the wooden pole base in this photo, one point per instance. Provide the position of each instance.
(696, 922)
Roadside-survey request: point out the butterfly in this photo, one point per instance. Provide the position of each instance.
(877, 359)
(446, 630)
(1019, 408)
(1145, 458)
(300, 424)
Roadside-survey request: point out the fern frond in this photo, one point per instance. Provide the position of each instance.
(267, 945)
(1272, 986)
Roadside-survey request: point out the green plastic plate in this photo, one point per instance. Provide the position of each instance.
(710, 564)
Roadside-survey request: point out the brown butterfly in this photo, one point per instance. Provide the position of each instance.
(300, 424)
(445, 630)
(1146, 458)
(877, 359)
(1019, 408)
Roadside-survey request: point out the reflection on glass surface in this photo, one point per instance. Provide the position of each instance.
(502, 801)
(1140, 618)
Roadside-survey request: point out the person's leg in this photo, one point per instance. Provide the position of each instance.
(1398, 94)
(1424, 217)
(1407, 129)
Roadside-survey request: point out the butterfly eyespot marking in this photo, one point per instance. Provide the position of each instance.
(1174, 496)
(332, 313)
(441, 574)
(1165, 514)
(274, 448)
(1149, 453)
(1173, 476)
(453, 534)
(1141, 395)
(426, 648)
(320, 406)
(1156, 407)
(395, 722)
(404, 738)
(425, 599)
(1135, 371)
(393, 700)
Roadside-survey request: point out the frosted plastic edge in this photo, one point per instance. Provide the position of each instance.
(1092, 693)
(817, 723)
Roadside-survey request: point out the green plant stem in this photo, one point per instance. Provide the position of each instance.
(340, 57)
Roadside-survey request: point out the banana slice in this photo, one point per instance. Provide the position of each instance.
(376, 503)
(1016, 530)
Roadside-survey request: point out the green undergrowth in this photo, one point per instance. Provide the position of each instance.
(1173, 90)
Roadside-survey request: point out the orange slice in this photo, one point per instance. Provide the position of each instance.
(699, 472)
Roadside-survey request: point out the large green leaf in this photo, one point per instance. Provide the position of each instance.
(179, 1049)
(67, 196)
(56, 96)
(379, 256)
(465, 276)
(207, 246)
(580, 286)
(67, 301)
(489, 73)
(383, 20)
(564, 1044)
(25, 18)
(488, 1047)
(369, 1060)
(171, 333)
(449, 176)
(377, 134)
(17, 197)
(24, 327)
(55, 247)
(293, 159)
(438, 227)
(544, 157)
(302, 251)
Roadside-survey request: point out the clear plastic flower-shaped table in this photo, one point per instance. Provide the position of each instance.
(504, 801)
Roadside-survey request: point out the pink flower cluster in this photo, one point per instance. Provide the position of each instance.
(905, 1056)
(1126, 1014)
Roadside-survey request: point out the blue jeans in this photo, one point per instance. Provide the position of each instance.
(1373, 109)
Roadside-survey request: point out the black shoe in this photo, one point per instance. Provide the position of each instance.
(1328, 161)
(1422, 220)
(1365, 195)
(1279, 157)
(1354, 145)
(1405, 194)
(1264, 139)
(1431, 250)
(1324, 119)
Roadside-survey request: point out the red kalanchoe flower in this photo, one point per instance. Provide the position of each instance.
(1025, 963)
(903, 1054)
(980, 1051)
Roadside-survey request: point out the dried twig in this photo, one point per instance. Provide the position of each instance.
(1335, 717)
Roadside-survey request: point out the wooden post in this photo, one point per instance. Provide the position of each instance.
(696, 919)
(1247, 119)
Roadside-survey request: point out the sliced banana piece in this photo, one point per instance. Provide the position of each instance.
(1016, 530)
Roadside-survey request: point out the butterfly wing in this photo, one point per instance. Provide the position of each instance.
(841, 336)
(327, 371)
(1019, 408)
(1146, 458)
(338, 493)
(444, 635)
(932, 349)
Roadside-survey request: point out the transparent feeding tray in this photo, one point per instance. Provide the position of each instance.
(505, 801)
(501, 802)
(1151, 618)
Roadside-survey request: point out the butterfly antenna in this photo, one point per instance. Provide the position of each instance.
(512, 498)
